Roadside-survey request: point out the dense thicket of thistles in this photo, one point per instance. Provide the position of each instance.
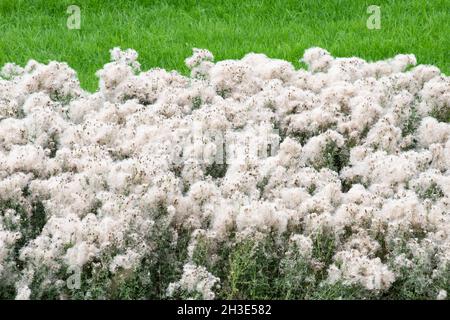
(162, 185)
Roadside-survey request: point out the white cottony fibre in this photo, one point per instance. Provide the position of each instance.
(103, 164)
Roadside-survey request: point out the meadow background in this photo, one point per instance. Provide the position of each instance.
(164, 32)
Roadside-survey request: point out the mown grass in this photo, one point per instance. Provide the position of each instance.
(164, 32)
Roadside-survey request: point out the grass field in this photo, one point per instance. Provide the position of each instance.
(164, 32)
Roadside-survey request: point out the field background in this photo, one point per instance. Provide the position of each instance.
(164, 32)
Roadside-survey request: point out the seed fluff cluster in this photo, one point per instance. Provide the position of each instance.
(167, 183)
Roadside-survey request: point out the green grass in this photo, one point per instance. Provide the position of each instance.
(164, 32)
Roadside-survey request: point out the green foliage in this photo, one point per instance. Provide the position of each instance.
(411, 124)
(409, 128)
(297, 275)
(216, 170)
(311, 189)
(324, 248)
(442, 113)
(303, 136)
(31, 224)
(334, 157)
(337, 291)
(267, 268)
(43, 286)
(347, 184)
(196, 103)
(433, 192)
(253, 270)
(418, 283)
(224, 93)
(261, 185)
(7, 289)
(63, 99)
